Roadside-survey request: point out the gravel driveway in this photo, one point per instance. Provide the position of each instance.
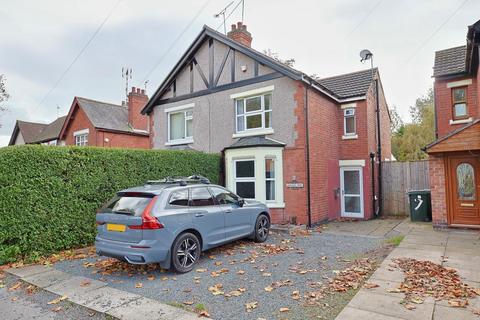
(233, 276)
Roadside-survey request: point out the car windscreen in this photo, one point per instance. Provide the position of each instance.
(132, 205)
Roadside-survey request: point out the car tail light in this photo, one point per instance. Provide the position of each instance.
(149, 222)
(99, 223)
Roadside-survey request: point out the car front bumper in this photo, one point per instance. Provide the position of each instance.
(146, 251)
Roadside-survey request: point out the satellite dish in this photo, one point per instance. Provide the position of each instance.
(365, 54)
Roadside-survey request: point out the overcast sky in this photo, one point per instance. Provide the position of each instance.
(39, 40)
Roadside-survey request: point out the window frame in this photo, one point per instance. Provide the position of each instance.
(454, 103)
(274, 179)
(169, 205)
(246, 114)
(186, 139)
(226, 191)
(190, 200)
(354, 116)
(474, 196)
(244, 179)
(81, 140)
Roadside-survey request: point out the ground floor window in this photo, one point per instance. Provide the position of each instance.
(81, 137)
(270, 179)
(245, 178)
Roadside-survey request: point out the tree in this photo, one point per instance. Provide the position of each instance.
(3, 94)
(409, 139)
(396, 122)
(275, 56)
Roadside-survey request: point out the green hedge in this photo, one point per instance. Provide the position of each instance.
(49, 195)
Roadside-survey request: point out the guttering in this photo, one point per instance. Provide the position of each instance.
(307, 147)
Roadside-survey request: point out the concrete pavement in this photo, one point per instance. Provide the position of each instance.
(452, 248)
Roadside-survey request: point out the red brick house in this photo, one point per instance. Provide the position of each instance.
(454, 156)
(95, 123)
(301, 145)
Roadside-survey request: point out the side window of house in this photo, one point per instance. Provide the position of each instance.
(270, 179)
(81, 139)
(349, 122)
(459, 96)
(179, 198)
(201, 197)
(244, 176)
(253, 112)
(223, 196)
(180, 125)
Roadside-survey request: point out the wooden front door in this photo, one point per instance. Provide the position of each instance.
(465, 190)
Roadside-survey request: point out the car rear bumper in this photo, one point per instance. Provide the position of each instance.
(135, 253)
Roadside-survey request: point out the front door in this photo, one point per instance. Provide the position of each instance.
(464, 191)
(351, 184)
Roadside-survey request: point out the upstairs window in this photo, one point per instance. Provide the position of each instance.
(180, 125)
(254, 113)
(349, 122)
(459, 96)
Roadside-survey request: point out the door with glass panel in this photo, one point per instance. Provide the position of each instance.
(464, 189)
(351, 184)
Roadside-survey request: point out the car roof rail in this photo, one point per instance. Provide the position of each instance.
(183, 181)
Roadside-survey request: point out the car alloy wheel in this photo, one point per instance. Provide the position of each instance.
(263, 226)
(187, 253)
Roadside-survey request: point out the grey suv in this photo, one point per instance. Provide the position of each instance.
(172, 221)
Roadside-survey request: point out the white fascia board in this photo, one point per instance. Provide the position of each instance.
(179, 108)
(253, 92)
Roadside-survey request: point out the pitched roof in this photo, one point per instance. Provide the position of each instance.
(105, 115)
(30, 130)
(337, 93)
(256, 141)
(349, 85)
(34, 132)
(450, 61)
(52, 131)
(450, 134)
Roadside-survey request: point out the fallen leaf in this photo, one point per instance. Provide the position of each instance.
(151, 277)
(458, 303)
(284, 309)
(57, 309)
(241, 272)
(204, 314)
(201, 270)
(409, 306)
(266, 274)
(296, 295)
(138, 285)
(368, 285)
(268, 289)
(15, 286)
(14, 299)
(85, 283)
(218, 263)
(249, 306)
(55, 301)
(188, 303)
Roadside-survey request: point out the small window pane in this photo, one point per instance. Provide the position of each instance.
(269, 168)
(460, 110)
(239, 107)
(352, 204)
(350, 125)
(465, 182)
(268, 98)
(179, 198)
(459, 95)
(189, 113)
(201, 197)
(189, 128)
(268, 120)
(224, 196)
(253, 104)
(254, 121)
(351, 182)
(177, 126)
(240, 123)
(246, 189)
(270, 190)
(245, 169)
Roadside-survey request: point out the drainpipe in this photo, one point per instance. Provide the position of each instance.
(372, 164)
(379, 153)
(307, 146)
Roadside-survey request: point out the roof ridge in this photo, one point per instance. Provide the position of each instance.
(451, 48)
(346, 74)
(42, 123)
(98, 101)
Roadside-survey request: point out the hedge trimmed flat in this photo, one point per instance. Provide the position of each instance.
(172, 221)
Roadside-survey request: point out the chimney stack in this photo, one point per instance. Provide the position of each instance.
(137, 99)
(240, 34)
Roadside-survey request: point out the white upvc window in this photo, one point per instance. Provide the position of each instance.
(253, 113)
(81, 137)
(349, 126)
(180, 125)
(270, 179)
(244, 178)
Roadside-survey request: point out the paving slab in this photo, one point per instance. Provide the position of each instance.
(350, 313)
(104, 299)
(28, 270)
(449, 313)
(148, 309)
(383, 273)
(390, 306)
(48, 278)
(75, 286)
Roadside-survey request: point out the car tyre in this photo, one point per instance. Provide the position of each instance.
(185, 252)
(262, 228)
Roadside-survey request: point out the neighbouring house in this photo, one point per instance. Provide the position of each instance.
(37, 133)
(95, 123)
(454, 164)
(299, 144)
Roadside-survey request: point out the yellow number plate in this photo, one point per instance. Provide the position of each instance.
(116, 227)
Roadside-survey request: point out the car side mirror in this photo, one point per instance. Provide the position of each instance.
(241, 202)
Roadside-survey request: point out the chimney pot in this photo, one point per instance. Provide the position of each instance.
(234, 26)
(240, 34)
(142, 91)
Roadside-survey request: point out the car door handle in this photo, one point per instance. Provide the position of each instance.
(199, 214)
(228, 211)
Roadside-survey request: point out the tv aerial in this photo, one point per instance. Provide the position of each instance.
(222, 13)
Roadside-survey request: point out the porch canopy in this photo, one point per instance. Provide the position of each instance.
(463, 139)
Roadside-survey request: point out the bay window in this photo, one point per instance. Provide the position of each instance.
(244, 176)
(269, 179)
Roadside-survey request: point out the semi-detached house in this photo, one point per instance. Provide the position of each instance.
(301, 145)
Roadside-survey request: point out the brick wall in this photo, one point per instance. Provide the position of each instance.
(444, 106)
(438, 193)
(79, 121)
(137, 99)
